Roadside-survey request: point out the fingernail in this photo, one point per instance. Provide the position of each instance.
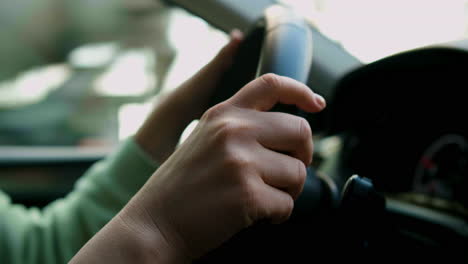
(320, 100)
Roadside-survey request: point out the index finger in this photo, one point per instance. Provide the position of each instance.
(266, 91)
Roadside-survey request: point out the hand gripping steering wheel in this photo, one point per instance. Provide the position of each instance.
(280, 43)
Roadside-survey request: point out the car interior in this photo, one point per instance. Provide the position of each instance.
(389, 179)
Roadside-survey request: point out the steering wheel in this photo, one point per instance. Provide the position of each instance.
(281, 43)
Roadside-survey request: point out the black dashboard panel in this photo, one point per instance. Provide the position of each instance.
(404, 120)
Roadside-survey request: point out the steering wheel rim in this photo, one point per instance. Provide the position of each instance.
(280, 43)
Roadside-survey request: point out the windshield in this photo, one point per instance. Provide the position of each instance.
(92, 82)
(373, 29)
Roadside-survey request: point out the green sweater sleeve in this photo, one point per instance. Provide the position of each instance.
(55, 233)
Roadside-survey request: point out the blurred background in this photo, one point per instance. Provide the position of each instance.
(79, 76)
(80, 73)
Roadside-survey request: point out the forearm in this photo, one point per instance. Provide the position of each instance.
(55, 233)
(114, 244)
(131, 237)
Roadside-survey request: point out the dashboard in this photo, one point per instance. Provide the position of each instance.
(403, 124)
(404, 118)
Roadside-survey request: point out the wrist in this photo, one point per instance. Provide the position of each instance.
(147, 241)
(126, 239)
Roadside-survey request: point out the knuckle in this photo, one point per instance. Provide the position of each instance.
(297, 179)
(230, 130)
(238, 165)
(249, 201)
(288, 208)
(213, 113)
(301, 174)
(284, 211)
(226, 131)
(272, 80)
(305, 132)
(248, 194)
(305, 140)
(237, 162)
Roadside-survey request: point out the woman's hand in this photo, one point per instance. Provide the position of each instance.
(241, 164)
